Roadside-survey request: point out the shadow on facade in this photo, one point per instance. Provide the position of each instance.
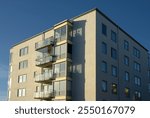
(78, 56)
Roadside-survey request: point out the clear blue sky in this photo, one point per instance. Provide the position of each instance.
(20, 19)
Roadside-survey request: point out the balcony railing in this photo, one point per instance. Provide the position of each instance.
(45, 77)
(44, 95)
(44, 43)
(45, 61)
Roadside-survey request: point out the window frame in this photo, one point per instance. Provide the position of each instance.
(114, 69)
(104, 66)
(113, 53)
(104, 86)
(113, 36)
(104, 29)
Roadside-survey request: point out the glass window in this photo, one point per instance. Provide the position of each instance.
(70, 33)
(113, 36)
(63, 32)
(127, 92)
(23, 51)
(104, 86)
(137, 66)
(56, 88)
(60, 33)
(113, 53)
(137, 81)
(114, 88)
(104, 66)
(126, 60)
(104, 29)
(35, 73)
(57, 51)
(22, 78)
(37, 89)
(104, 48)
(56, 69)
(23, 64)
(126, 45)
(21, 92)
(126, 76)
(114, 71)
(60, 69)
(136, 52)
(10, 58)
(60, 88)
(137, 95)
(63, 50)
(60, 51)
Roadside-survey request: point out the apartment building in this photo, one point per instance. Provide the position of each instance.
(88, 57)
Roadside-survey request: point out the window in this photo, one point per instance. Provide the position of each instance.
(21, 92)
(137, 95)
(137, 81)
(22, 78)
(126, 45)
(23, 64)
(60, 33)
(137, 66)
(47, 88)
(113, 36)
(127, 92)
(60, 69)
(136, 52)
(23, 51)
(60, 51)
(114, 88)
(113, 53)
(35, 73)
(126, 76)
(114, 71)
(104, 29)
(37, 89)
(10, 58)
(104, 66)
(60, 88)
(104, 86)
(126, 60)
(104, 48)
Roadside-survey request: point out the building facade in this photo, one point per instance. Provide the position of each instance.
(88, 57)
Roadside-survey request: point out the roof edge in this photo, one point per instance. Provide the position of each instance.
(94, 9)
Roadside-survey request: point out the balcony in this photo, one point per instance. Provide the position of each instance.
(46, 77)
(45, 95)
(45, 43)
(45, 61)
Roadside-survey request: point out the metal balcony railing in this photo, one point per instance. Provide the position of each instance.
(44, 95)
(45, 61)
(44, 43)
(45, 77)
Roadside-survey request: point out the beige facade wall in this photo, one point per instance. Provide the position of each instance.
(84, 56)
(30, 84)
